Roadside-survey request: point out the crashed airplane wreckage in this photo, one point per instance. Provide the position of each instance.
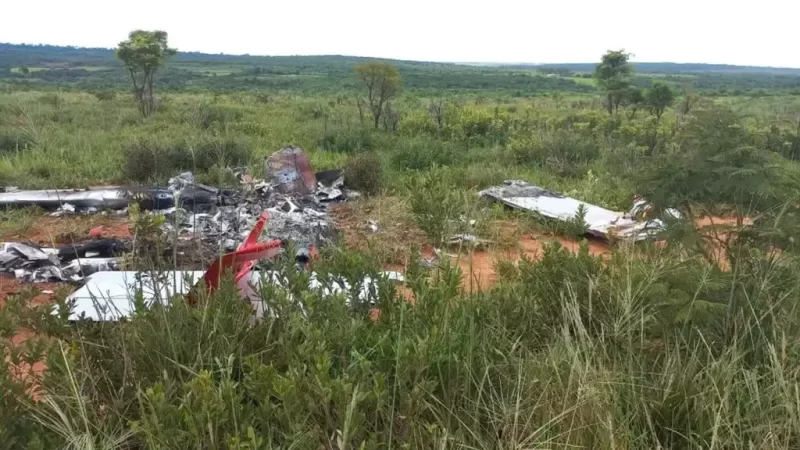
(293, 198)
(296, 198)
(600, 222)
(110, 296)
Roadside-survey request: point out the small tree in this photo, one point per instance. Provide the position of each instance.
(634, 99)
(613, 75)
(437, 110)
(24, 70)
(690, 98)
(716, 172)
(659, 98)
(383, 82)
(143, 54)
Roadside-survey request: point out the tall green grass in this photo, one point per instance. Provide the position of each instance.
(570, 351)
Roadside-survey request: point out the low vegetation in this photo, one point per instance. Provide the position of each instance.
(694, 343)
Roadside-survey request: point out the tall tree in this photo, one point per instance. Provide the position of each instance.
(143, 54)
(613, 75)
(383, 82)
(659, 98)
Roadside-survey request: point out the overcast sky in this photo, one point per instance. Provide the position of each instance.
(713, 31)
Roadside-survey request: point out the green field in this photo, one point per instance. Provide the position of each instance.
(689, 343)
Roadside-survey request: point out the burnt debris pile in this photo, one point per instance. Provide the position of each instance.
(294, 196)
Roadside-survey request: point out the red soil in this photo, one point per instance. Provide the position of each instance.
(42, 294)
(53, 231)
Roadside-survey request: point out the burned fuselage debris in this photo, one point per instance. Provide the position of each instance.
(296, 199)
(33, 264)
(219, 219)
(599, 221)
(289, 172)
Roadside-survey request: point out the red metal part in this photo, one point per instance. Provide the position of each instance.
(239, 262)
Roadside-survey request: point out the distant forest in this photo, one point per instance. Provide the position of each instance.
(38, 66)
(664, 67)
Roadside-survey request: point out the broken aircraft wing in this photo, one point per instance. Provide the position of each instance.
(600, 222)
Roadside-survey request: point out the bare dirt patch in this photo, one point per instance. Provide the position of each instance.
(397, 235)
(68, 230)
(394, 236)
(478, 267)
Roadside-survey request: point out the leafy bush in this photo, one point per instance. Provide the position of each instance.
(481, 126)
(364, 173)
(17, 429)
(219, 151)
(250, 128)
(437, 204)
(576, 226)
(417, 122)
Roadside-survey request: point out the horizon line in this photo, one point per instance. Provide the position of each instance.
(495, 63)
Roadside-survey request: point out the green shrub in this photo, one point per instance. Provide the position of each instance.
(219, 151)
(52, 99)
(417, 122)
(364, 173)
(479, 125)
(154, 160)
(350, 140)
(204, 116)
(104, 96)
(12, 141)
(143, 160)
(437, 204)
(564, 152)
(424, 153)
(250, 128)
(17, 427)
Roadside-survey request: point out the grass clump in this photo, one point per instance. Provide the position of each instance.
(423, 153)
(347, 140)
(364, 172)
(153, 159)
(563, 152)
(12, 141)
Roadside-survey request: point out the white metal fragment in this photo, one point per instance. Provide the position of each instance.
(600, 222)
(109, 296)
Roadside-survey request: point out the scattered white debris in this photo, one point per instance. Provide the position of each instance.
(64, 209)
(372, 225)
